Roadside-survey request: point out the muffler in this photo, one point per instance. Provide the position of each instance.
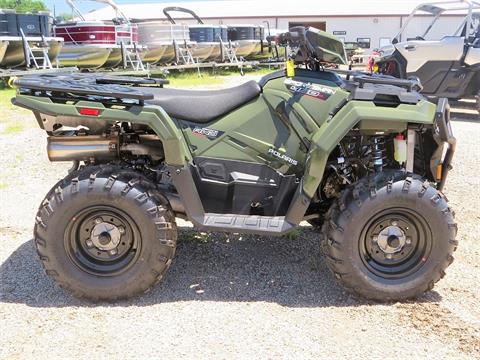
(82, 148)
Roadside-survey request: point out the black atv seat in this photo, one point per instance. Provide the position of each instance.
(202, 106)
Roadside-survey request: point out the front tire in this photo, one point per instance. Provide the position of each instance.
(390, 237)
(105, 233)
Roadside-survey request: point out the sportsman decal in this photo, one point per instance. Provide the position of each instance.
(313, 90)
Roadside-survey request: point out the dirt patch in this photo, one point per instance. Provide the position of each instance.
(433, 320)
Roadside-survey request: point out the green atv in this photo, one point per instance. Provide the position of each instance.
(362, 158)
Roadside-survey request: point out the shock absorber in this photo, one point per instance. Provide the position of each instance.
(377, 150)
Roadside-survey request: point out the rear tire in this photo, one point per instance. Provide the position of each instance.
(389, 237)
(105, 233)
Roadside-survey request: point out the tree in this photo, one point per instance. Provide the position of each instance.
(64, 16)
(23, 5)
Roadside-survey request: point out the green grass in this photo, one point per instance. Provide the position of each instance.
(5, 96)
(13, 120)
(189, 79)
(12, 128)
(9, 123)
(208, 78)
(188, 236)
(293, 234)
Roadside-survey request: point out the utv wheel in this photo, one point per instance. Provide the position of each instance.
(390, 237)
(478, 102)
(105, 233)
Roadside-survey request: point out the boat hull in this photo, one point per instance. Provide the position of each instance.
(205, 51)
(216, 54)
(14, 55)
(168, 55)
(167, 51)
(3, 48)
(152, 54)
(95, 44)
(247, 48)
(85, 56)
(159, 38)
(114, 59)
(260, 53)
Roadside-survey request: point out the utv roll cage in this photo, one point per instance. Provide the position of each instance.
(468, 28)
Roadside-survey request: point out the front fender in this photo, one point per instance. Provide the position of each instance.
(368, 117)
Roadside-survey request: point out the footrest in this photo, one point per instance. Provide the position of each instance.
(247, 223)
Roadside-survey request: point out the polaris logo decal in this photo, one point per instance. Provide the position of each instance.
(210, 134)
(313, 90)
(283, 157)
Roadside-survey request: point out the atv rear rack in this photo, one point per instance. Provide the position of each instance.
(102, 86)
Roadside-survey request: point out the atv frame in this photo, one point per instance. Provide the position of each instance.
(359, 110)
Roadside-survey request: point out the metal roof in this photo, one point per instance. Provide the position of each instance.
(265, 8)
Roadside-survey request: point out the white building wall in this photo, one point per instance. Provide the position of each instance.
(375, 28)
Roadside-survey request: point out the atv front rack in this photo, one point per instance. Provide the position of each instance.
(362, 78)
(89, 85)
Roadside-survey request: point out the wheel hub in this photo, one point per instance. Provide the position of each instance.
(102, 241)
(105, 236)
(391, 240)
(396, 241)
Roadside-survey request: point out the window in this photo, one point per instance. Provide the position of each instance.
(364, 43)
(384, 41)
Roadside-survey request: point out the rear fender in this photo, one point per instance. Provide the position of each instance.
(175, 148)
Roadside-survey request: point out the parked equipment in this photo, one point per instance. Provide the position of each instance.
(248, 37)
(25, 37)
(166, 43)
(366, 157)
(449, 67)
(208, 38)
(95, 44)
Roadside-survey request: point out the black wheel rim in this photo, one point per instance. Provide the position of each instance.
(103, 241)
(395, 243)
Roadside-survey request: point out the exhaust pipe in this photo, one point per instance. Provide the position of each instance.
(82, 148)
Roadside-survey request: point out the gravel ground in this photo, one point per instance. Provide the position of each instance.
(230, 296)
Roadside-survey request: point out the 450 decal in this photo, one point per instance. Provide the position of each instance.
(313, 90)
(210, 134)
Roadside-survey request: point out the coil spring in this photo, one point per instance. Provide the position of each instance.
(378, 152)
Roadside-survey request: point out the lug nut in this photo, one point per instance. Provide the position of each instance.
(121, 230)
(394, 223)
(408, 241)
(113, 252)
(98, 220)
(89, 243)
(375, 238)
(389, 256)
